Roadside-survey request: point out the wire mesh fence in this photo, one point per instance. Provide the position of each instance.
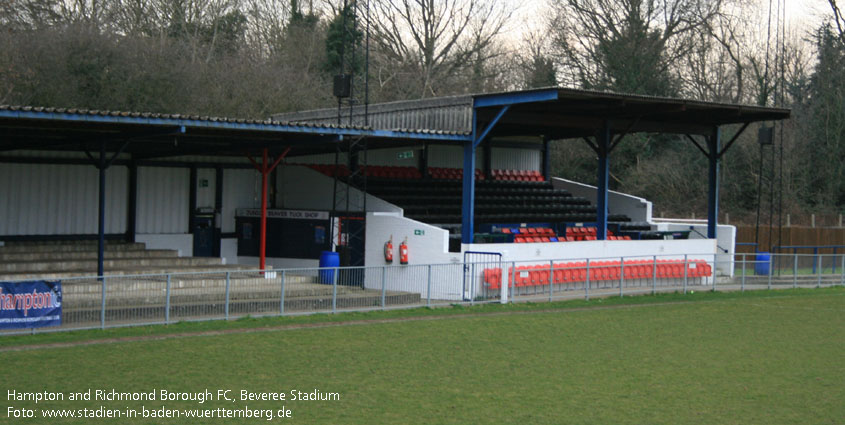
(125, 300)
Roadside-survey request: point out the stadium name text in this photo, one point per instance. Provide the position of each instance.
(167, 395)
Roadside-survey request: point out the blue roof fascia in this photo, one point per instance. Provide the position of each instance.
(223, 125)
(483, 101)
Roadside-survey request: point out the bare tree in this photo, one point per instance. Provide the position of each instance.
(430, 40)
(838, 19)
(631, 45)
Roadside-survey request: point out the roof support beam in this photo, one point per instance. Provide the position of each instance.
(265, 169)
(695, 142)
(733, 139)
(624, 133)
(514, 98)
(713, 141)
(468, 197)
(603, 140)
(592, 145)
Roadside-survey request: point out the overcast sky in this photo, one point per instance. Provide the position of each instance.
(800, 14)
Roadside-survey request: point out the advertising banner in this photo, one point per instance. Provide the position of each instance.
(30, 304)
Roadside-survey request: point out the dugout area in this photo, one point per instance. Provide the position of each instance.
(446, 176)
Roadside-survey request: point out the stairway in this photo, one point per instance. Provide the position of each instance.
(64, 259)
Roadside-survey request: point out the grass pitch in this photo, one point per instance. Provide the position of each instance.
(721, 358)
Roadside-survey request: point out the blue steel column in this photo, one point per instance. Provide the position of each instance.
(468, 206)
(714, 142)
(101, 243)
(603, 142)
(547, 174)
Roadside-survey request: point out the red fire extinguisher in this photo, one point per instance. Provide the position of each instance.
(403, 252)
(388, 250)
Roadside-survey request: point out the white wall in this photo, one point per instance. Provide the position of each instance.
(48, 199)
(666, 249)
(725, 239)
(205, 195)
(163, 197)
(451, 156)
(390, 157)
(229, 250)
(182, 242)
(241, 189)
(323, 158)
(516, 159)
(430, 247)
(638, 209)
(300, 187)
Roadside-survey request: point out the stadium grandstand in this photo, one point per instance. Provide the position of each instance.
(439, 177)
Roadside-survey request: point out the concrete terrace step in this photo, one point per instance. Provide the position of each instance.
(84, 255)
(156, 270)
(120, 264)
(66, 246)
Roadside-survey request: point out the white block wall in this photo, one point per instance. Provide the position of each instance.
(163, 198)
(48, 199)
(638, 209)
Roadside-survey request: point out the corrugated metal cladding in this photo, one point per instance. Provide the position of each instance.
(59, 199)
(162, 202)
(323, 158)
(516, 159)
(446, 114)
(391, 157)
(451, 156)
(241, 189)
(206, 182)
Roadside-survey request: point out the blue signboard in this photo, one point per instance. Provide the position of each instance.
(30, 304)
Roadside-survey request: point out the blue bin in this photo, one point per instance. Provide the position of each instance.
(762, 263)
(328, 260)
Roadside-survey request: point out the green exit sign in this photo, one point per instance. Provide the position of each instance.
(405, 155)
(419, 232)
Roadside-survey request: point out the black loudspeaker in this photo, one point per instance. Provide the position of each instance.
(342, 85)
(766, 135)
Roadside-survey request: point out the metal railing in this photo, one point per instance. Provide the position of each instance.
(129, 300)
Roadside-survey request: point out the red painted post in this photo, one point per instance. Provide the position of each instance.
(265, 170)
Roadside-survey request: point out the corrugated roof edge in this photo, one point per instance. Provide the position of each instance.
(375, 108)
(269, 123)
(204, 118)
(573, 92)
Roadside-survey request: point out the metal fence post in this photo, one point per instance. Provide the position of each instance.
(621, 275)
(383, 284)
(821, 269)
(167, 302)
(513, 279)
(472, 284)
(795, 271)
(587, 283)
(654, 275)
(742, 284)
(226, 307)
(282, 297)
(715, 267)
(770, 272)
(842, 280)
(334, 289)
(685, 273)
(103, 303)
(428, 295)
(551, 278)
